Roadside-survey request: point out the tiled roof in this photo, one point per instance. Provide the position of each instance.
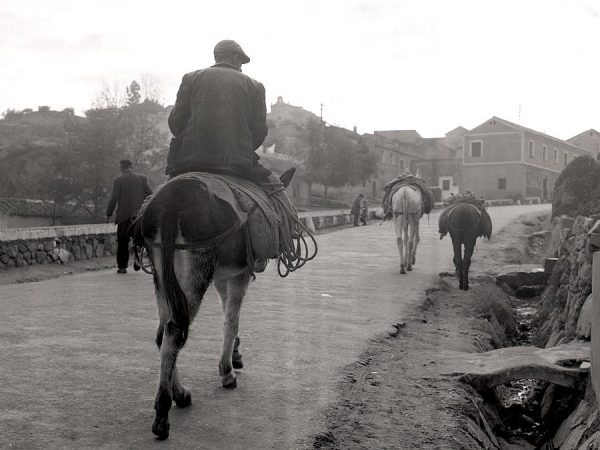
(591, 132)
(410, 136)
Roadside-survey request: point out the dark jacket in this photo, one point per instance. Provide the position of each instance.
(356, 205)
(129, 191)
(218, 120)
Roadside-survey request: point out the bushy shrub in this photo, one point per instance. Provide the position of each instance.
(577, 190)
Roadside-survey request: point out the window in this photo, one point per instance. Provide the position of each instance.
(555, 156)
(383, 156)
(391, 158)
(566, 161)
(445, 185)
(531, 149)
(502, 184)
(476, 149)
(401, 164)
(545, 153)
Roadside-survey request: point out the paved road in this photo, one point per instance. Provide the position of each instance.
(79, 366)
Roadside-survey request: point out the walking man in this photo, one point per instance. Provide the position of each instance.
(356, 207)
(129, 191)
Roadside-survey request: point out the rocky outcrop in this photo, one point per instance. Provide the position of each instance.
(569, 285)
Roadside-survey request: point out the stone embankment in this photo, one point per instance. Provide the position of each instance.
(55, 245)
(21, 247)
(564, 316)
(570, 284)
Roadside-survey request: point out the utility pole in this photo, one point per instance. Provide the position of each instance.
(321, 111)
(519, 113)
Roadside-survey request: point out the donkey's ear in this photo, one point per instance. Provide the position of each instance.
(286, 177)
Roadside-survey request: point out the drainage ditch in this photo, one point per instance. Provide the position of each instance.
(528, 412)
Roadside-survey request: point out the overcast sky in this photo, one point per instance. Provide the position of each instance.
(429, 65)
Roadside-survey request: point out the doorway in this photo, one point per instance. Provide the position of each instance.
(545, 189)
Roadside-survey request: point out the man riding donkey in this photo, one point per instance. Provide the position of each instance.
(218, 121)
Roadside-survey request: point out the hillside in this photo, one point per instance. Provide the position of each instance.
(35, 129)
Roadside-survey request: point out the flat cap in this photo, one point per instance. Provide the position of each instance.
(229, 46)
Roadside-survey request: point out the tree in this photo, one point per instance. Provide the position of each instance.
(335, 156)
(133, 94)
(97, 145)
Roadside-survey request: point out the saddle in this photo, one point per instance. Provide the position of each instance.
(406, 180)
(485, 221)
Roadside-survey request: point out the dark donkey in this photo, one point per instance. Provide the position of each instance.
(465, 222)
(192, 240)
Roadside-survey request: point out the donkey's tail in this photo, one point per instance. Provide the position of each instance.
(174, 295)
(405, 201)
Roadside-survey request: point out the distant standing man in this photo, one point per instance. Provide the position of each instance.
(129, 191)
(356, 207)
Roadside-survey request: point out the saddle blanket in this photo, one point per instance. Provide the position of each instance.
(249, 202)
(485, 221)
(414, 183)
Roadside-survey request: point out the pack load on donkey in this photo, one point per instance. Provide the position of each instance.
(415, 183)
(485, 223)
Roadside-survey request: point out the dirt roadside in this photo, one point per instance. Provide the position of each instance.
(394, 397)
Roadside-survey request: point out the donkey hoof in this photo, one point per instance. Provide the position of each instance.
(160, 427)
(184, 400)
(236, 361)
(409, 268)
(229, 381)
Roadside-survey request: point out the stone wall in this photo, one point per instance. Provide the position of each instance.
(569, 285)
(20, 247)
(55, 245)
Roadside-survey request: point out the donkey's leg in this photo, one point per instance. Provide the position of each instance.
(411, 241)
(181, 395)
(236, 289)
(457, 245)
(172, 342)
(406, 242)
(398, 231)
(469, 248)
(236, 358)
(416, 240)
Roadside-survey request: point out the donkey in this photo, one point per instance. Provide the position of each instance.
(465, 224)
(407, 206)
(182, 215)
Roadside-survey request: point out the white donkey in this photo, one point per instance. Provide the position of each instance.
(407, 205)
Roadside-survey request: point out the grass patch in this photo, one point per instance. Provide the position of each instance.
(496, 314)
